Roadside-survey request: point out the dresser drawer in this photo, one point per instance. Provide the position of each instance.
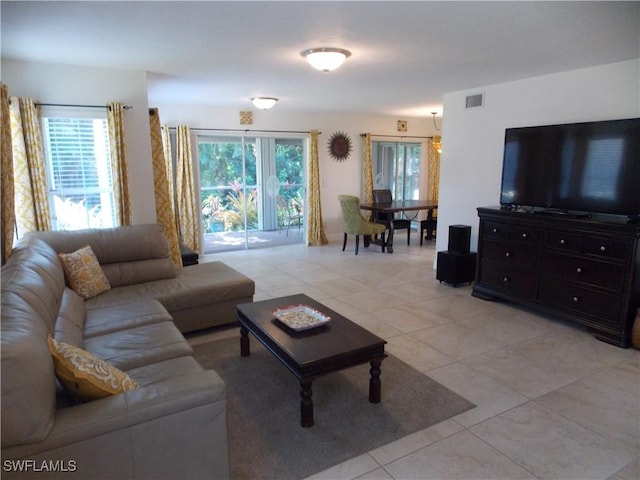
(605, 248)
(584, 270)
(524, 235)
(604, 307)
(495, 229)
(508, 279)
(566, 242)
(511, 253)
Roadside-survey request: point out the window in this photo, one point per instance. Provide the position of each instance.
(78, 172)
(396, 166)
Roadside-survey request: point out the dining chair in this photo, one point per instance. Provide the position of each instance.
(384, 196)
(356, 224)
(430, 224)
(291, 213)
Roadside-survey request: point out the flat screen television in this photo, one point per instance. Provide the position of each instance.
(591, 167)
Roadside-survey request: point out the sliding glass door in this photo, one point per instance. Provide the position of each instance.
(251, 191)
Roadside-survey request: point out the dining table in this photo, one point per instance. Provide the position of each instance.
(406, 207)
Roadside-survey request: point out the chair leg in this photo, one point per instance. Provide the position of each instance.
(344, 244)
(421, 234)
(409, 235)
(384, 243)
(357, 243)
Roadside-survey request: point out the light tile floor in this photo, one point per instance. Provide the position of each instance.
(552, 401)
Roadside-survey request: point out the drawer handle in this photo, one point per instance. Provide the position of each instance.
(562, 241)
(506, 279)
(524, 235)
(576, 299)
(578, 270)
(507, 254)
(603, 248)
(496, 230)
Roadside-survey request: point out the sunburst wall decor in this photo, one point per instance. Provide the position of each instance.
(339, 146)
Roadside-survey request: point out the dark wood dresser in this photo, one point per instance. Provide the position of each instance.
(585, 270)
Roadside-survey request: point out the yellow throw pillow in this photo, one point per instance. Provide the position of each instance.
(84, 375)
(84, 272)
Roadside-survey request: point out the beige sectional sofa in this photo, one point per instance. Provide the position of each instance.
(174, 424)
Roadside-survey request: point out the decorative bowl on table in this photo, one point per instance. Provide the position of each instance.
(300, 317)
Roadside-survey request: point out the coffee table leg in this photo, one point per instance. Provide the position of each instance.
(374, 382)
(244, 341)
(306, 404)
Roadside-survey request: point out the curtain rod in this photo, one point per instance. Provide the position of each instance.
(394, 136)
(248, 130)
(126, 107)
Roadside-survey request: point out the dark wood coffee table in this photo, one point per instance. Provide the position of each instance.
(337, 345)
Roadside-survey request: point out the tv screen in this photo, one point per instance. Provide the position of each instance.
(589, 167)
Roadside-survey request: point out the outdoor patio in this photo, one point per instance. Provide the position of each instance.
(228, 241)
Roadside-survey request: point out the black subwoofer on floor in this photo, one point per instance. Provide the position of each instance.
(459, 238)
(458, 264)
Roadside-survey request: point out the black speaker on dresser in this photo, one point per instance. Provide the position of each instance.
(459, 238)
(458, 264)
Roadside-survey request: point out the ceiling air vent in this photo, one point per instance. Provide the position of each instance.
(474, 100)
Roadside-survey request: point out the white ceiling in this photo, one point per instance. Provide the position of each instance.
(405, 55)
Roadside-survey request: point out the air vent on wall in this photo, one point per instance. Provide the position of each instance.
(474, 100)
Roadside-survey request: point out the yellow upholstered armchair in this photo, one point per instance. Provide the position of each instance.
(356, 224)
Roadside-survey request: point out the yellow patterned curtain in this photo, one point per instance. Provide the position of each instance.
(434, 168)
(187, 211)
(7, 199)
(29, 169)
(164, 203)
(119, 166)
(367, 168)
(315, 230)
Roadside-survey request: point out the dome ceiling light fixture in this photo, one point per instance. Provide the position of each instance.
(326, 59)
(264, 103)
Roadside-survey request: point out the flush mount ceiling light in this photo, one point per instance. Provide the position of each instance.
(326, 59)
(264, 103)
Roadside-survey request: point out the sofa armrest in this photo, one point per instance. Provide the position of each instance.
(165, 427)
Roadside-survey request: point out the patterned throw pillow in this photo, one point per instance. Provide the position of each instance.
(85, 376)
(84, 272)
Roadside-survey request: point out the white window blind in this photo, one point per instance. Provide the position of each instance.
(79, 173)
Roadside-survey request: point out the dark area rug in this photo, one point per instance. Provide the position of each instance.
(263, 403)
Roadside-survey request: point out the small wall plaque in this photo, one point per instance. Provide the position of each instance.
(402, 125)
(246, 118)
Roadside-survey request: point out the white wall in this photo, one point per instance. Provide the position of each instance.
(335, 177)
(50, 83)
(473, 139)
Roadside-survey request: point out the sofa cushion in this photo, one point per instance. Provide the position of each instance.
(157, 372)
(32, 286)
(135, 347)
(140, 271)
(71, 318)
(128, 254)
(84, 273)
(85, 376)
(34, 272)
(199, 285)
(120, 316)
